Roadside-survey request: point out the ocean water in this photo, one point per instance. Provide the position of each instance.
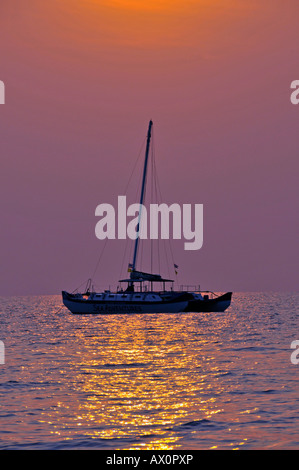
(180, 381)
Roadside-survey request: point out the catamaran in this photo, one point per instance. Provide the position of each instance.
(139, 295)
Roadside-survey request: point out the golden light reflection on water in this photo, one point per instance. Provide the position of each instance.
(138, 377)
(150, 382)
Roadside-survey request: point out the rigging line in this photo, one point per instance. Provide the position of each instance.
(127, 239)
(138, 190)
(159, 193)
(152, 194)
(167, 264)
(139, 155)
(84, 282)
(157, 201)
(102, 252)
(145, 196)
(128, 244)
(141, 213)
(59, 310)
(125, 192)
(153, 200)
(79, 286)
(100, 257)
(141, 257)
(107, 238)
(170, 246)
(123, 260)
(139, 227)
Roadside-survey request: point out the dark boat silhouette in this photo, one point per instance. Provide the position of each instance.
(146, 299)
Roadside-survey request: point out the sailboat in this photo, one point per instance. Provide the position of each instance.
(146, 299)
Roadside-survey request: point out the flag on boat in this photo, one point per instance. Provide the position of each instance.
(130, 267)
(176, 268)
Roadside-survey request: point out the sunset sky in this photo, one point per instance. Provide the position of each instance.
(84, 77)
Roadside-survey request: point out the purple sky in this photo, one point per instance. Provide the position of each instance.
(82, 81)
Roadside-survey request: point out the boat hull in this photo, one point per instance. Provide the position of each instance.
(96, 307)
(181, 303)
(217, 304)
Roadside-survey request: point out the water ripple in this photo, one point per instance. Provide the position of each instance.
(190, 381)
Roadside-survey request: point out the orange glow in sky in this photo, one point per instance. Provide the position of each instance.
(206, 26)
(83, 78)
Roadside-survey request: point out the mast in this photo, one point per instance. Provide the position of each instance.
(142, 192)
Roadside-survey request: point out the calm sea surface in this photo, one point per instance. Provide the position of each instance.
(180, 381)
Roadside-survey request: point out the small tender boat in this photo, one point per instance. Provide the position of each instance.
(147, 299)
(207, 303)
